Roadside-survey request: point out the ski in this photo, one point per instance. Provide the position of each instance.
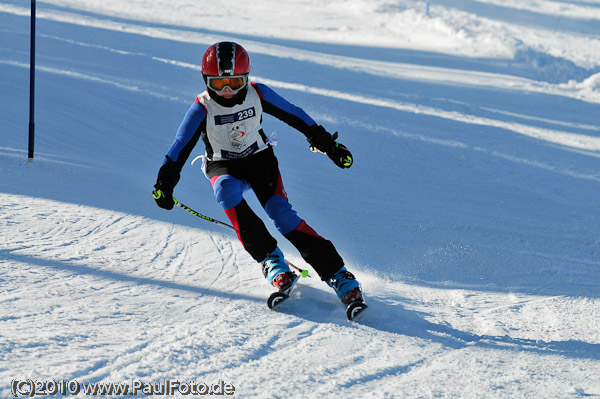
(279, 296)
(354, 309)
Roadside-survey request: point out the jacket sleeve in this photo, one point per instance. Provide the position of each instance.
(187, 136)
(282, 109)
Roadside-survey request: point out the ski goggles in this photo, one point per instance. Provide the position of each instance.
(218, 83)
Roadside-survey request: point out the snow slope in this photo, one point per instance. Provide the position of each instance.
(471, 215)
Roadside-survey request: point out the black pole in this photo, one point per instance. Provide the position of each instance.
(32, 84)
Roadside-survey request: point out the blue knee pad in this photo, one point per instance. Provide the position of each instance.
(281, 213)
(229, 191)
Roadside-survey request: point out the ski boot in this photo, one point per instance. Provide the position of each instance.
(345, 286)
(276, 270)
(348, 290)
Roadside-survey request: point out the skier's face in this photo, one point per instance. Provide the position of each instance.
(226, 93)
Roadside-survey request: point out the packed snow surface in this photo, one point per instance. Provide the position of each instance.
(471, 215)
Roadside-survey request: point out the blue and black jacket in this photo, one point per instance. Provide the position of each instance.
(193, 127)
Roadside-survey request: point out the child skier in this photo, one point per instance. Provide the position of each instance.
(227, 117)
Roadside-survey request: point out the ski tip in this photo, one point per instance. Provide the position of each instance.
(355, 309)
(275, 298)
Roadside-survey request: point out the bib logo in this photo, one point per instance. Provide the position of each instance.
(237, 137)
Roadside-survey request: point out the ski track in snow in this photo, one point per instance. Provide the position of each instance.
(100, 295)
(103, 275)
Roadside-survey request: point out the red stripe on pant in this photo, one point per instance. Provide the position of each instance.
(279, 189)
(232, 215)
(306, 229)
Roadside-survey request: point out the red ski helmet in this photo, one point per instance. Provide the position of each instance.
(225, 59)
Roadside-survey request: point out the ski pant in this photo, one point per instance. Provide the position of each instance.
(260, 173)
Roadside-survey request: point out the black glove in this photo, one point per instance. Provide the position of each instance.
(168, 176)
(321, 140)
(163, 199)
(340, 155)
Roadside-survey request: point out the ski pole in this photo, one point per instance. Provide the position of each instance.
(207, 218)
(303, 272)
